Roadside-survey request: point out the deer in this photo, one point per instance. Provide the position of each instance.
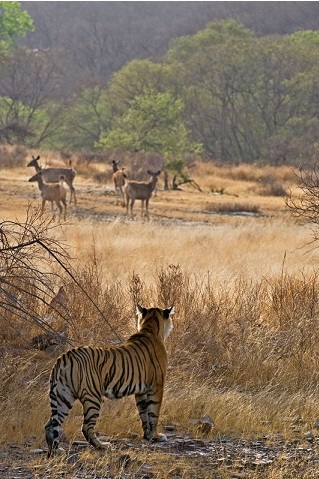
(52, 175)
(115, 164)
(140, 190)
(119, 180)
(54, 192)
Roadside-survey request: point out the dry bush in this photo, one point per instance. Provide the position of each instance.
(233, 207)
(13, 156)
(244, 171)
(242, 351)
(27, 280)
(271, 186)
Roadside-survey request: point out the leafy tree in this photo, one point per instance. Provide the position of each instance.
(137, 78)
(308, 37)
(153, 123)
(87, 116)
(14, 23)
(28, 84)
(246, 97)
(216, 33)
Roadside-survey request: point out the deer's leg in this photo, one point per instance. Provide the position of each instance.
(60, 208)
(72, 191)
(146, 207)
(42, 207)
(132, 204)
(122, 196)
(64, 203)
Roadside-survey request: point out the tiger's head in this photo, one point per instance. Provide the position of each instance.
(155, 318)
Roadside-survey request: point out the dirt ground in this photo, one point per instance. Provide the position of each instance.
(181, 456)
(187, 206)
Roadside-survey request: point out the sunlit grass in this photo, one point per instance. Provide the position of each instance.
(244, 347)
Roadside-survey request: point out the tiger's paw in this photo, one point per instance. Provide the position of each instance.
(159, 438)
(56, 452)
(59, 451)
(99, 444)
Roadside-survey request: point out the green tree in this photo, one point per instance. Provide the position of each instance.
(14, 23)
(248, 98)
(138, 77)
(153, 123)
(28, 85)
(216, 33)
(87, 116)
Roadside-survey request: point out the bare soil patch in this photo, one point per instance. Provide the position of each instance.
(96, 201)
(182, 456)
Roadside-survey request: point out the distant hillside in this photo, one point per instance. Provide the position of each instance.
(118, 32)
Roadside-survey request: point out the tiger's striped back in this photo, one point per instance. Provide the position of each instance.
(137, 367)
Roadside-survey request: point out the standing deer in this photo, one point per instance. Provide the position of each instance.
(115, 164)
(140, 190)
(54, 192)
(119, 180)
(52, 175)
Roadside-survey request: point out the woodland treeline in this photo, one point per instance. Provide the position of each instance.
(225, 92)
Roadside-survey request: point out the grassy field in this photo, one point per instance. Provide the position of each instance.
(243, 277)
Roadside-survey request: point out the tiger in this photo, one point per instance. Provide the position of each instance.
(138, 366)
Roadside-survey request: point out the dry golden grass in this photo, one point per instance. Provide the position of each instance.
(244, 349)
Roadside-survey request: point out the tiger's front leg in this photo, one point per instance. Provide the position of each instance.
(141, 403)
(149, 406)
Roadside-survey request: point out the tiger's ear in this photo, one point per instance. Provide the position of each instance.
(169, 311)
(140, 311)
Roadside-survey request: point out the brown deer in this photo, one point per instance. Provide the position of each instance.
(55, 192)
(52, 175)
(140, 190)
(119, 180)
(115, 164)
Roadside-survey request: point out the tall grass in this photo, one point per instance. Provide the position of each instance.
(245, 343)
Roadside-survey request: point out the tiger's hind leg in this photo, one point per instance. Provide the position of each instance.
(91, 410)
(61, 405)
(149, 406)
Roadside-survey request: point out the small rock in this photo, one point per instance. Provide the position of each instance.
(169, 427)
(72, 459)
(37, 451)
(206, 424)
(309, 436)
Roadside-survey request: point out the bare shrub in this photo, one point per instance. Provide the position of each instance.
(103, 320)
(27, 284)
(271, 186)
(303, 203)
(12, 156)
(232, 208)
(102, 177)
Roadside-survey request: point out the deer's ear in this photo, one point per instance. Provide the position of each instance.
(159, 172)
